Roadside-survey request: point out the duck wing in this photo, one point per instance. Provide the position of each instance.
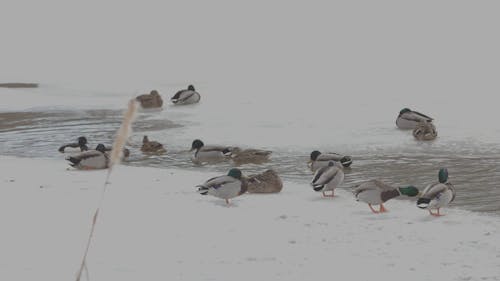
(324, 175)
(217, 182)
(432, 190)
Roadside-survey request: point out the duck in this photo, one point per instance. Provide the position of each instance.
(210, 153)
(327, 179)
(225, 187)
(151, 100)
(250, 155)
(266, 182)
(91, 159)
(409, 119)
(318, 160)
(186, 96)
(438, 195)
(79, 146)
(425, 131)
(376, 192)
(152, 146)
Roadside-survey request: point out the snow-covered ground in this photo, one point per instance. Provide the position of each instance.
(155, 226)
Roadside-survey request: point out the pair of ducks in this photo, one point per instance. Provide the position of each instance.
(154, 100)
(80, 157)
(374, 192)
(421, 124)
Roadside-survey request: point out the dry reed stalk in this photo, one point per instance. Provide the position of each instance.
(115, 157)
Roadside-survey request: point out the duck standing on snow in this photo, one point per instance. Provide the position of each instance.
(319, 160)
(151, 100)
(267, 182)
(327, 178)
(209, 153)
(246, 156)
(79, 146)
(425, 131)
(409, 119)
(152, 146)
(91, 159)
(188, 96)
(437, 195)
(225, 187)
(376, 192)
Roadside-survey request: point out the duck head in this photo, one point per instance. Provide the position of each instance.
(154, 93)
(404, 110)
(191, 87)
(443, 175)
(100, 147)
(145, 139)
(314, 155)
(197, 144)
(235, 173)
(82, 141)
(410, 191)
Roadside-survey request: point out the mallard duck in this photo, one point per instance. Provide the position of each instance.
(187, 96)
(376, 192)
(152, 146)
(151, 100)
(318, 160)
(408, 119)
(91, 159)
(425, 131)
(79, 146)
(267, 182)
(327, 178)
(225, 187)
(245, 156)
(211, 153)
(437, 195)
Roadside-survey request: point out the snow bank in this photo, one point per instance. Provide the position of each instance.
(155, 226)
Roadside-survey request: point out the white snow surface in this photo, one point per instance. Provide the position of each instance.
(154, 226)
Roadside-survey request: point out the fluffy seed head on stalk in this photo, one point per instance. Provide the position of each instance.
(123, 133)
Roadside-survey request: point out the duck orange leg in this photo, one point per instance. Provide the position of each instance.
(435, 214)
(382, 209)
(373, 210)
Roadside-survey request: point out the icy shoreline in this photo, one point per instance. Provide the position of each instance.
(155, 226)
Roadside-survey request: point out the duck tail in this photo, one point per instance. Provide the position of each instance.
(74, 161)
(423, 203)
(203, 190)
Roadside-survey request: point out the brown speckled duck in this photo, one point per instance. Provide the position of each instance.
(250, 155)
(425, 131)
(152, 146)
(151, 100)
(267, 182)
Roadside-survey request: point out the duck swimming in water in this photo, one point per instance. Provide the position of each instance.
(209, 153)
(376, 192)
(409, 119)
(318, 160)
(247, 156)
(91, 159)
(327, 179)
(152, 146)
(438, 195)
(425, 131)
(187, 96)
(79, 146)
(225, 187)
(151, 100)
